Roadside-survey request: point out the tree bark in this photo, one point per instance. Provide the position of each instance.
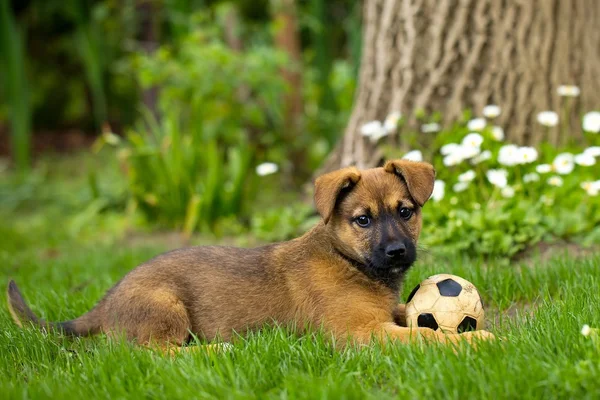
(451, 55)
(287, 39)
(149, 30)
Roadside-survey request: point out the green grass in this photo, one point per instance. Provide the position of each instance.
(543, 355)
(63, 273)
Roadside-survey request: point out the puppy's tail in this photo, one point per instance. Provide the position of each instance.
(87, 324)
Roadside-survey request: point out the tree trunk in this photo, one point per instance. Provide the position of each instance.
(148, 13)
(288, 41)
(451, 55)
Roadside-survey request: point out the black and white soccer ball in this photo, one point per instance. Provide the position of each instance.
(445, 302)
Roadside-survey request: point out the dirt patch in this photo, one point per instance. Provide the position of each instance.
(50, 141)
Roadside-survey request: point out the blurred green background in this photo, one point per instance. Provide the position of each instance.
(213, 117)
(69, 67)
(194, 94)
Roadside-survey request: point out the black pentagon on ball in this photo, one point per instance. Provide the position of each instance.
(449, 288)
(467, 324)
(427, 320)
(412, 294)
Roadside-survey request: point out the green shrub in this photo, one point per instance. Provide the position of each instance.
(13, 85)
(494, 198)
(219, 111)
(283, 223)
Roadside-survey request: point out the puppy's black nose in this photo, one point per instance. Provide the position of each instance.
(395, 250)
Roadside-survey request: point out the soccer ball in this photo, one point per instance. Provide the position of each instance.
(445, 302)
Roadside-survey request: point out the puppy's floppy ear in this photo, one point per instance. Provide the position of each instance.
(329, 186)
(419, 177)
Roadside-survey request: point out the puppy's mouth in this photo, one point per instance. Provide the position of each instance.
(391, 275)
(388, 273)
(386, 267)
(400, 269)
(396, 268)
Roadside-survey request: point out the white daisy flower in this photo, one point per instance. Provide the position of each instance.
(458, 153)
(497, 177)
(467, 152)
(555, 181)
(497, 133)
(526, 155)
(547, 200)
(591, 122)
(375, 138)
(531, 177)
(585, 160)
(266, 168)
(472, 140)
(467, 176)
(563, 163)
(586, 330)
(508, 155)
(568, 91)
(543, 168)
(483, 156)
(460, 187)
(476, 124)
(507, 192)
(548, 118)
(449, 148)
(414, 155)
(591, 188)
(373, 128)
(391, 122)
(491, 111)
(452, 159)
(430, 128)
(439, 189)
(593, 151)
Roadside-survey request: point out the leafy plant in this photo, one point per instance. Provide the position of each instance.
(283, 223)
(12, 68)
(182, 179)
(89, 43)
(219, 114)
(494, 198)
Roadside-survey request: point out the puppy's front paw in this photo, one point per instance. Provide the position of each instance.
(478, 335)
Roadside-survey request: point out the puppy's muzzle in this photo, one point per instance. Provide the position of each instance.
(396, 255)
(395, 251)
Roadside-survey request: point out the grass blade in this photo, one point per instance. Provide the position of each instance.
(12, 66)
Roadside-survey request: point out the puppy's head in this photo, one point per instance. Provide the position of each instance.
(374, 216)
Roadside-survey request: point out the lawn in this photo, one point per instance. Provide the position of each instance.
(64, 256)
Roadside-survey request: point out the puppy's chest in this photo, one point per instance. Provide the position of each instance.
(340, 291)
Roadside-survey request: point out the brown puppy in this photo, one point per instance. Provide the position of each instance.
(343, 275)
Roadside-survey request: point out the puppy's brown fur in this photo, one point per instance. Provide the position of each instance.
(340, 275)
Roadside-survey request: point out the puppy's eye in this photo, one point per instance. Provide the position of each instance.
(405, 213)
(363, 221)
